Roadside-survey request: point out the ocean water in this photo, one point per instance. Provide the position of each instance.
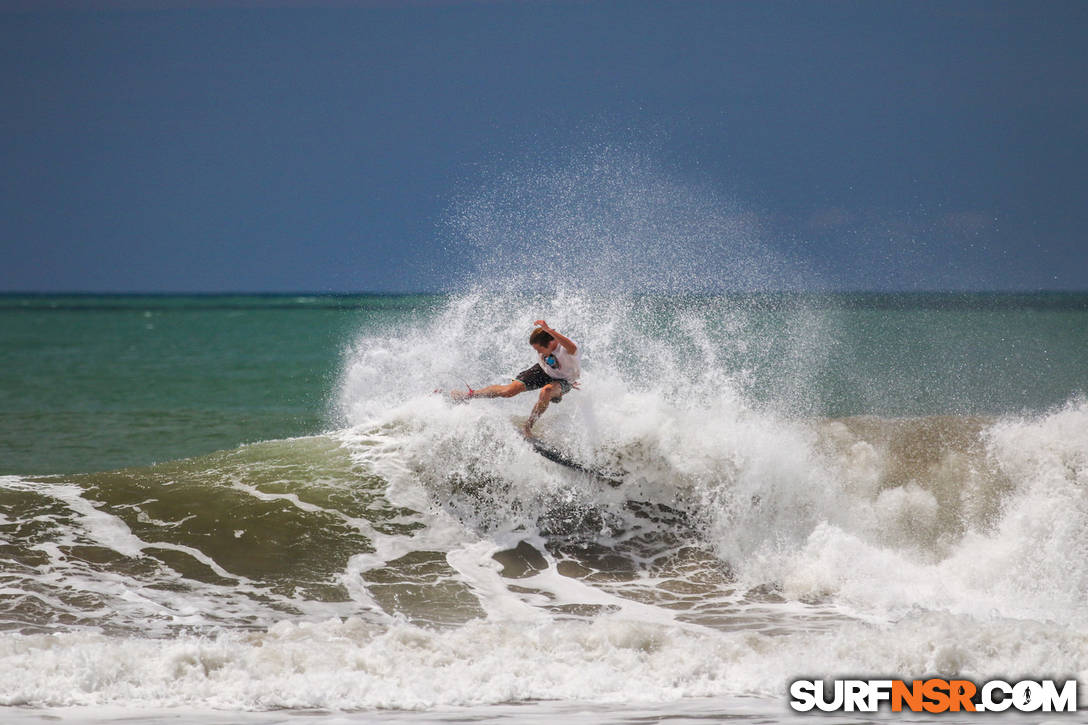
(256, 509)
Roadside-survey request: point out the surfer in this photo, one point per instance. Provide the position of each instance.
(554, 375)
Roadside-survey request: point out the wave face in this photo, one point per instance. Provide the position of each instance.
(421, 555)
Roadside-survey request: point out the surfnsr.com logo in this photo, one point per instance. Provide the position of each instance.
(934, 695)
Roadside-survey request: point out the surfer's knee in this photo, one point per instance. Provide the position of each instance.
(550, 391)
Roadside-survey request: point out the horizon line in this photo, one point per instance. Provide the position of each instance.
(417, 293)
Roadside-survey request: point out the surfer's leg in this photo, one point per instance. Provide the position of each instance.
(547, 393)
(492, 391)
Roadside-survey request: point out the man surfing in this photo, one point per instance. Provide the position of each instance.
(554, 375)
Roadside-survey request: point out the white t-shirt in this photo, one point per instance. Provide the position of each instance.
(567, 366)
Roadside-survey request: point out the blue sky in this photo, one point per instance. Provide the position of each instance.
(211, 147)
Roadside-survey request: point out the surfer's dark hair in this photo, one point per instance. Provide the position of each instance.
(540, 336)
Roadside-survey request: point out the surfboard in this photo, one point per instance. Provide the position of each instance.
(563, 459)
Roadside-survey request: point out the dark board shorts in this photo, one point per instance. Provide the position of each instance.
(535, 378)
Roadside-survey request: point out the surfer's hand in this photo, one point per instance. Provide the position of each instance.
(542, 324)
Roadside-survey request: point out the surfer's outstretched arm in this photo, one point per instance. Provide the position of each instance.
(566, 342)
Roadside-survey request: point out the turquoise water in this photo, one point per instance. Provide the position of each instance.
(937, 354)
(101, 382)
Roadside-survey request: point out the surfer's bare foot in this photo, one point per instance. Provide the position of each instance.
(527, 431)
